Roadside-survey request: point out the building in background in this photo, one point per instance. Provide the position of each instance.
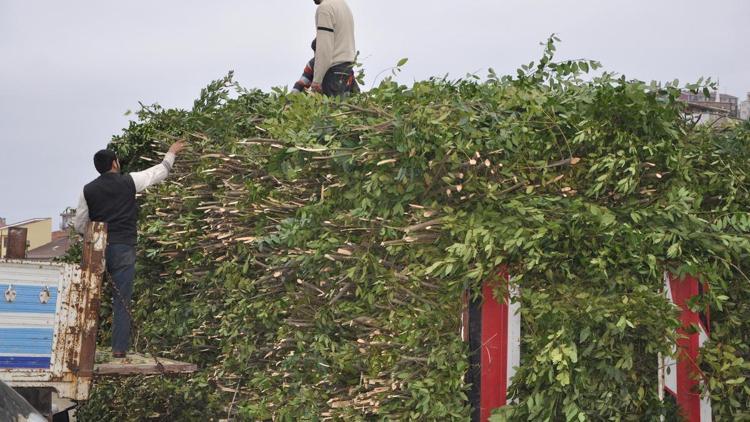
(717, 108)
(723, 103)
(56, 248)
(43, 244)
(745, 108)
(39, 233)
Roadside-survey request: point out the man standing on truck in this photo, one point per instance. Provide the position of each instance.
(335, 53)
(110, 198)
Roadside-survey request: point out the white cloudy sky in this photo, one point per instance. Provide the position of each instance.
(70, 69)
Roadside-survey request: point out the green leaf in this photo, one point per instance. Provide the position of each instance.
(674, 251)
(585, 333)
(563, 378)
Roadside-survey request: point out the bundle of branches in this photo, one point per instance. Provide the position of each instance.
(310, 254)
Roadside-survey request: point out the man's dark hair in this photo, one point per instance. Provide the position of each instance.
(103, 160)
(314, 44)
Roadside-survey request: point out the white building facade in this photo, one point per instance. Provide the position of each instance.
(745, 108)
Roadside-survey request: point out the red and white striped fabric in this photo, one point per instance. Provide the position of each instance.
(493, 329)
(680, 377)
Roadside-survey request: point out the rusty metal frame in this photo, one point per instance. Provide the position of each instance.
(76, 321)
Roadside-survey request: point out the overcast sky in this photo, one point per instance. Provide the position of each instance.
(69, 70)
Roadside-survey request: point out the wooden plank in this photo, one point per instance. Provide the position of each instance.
(137, 364)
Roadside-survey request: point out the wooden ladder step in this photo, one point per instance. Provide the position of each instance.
(138, 364)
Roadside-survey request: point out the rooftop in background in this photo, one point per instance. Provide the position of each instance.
(55, 249)
(700, 98)
(59, 234)
(716, 102)
(42, 244)
(23, 223)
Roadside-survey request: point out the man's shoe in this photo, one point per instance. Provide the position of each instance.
(118, 355)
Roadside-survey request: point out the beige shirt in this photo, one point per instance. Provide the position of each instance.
(335, 26)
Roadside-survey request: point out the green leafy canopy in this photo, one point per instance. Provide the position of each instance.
(310, 253)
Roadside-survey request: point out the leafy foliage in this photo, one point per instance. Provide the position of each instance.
(310, 254)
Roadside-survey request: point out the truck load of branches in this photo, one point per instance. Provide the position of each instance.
(310, 254)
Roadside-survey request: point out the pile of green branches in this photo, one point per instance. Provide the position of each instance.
(310, 254)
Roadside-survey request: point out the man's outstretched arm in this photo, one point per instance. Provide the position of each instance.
(82, 215)
(157, 174)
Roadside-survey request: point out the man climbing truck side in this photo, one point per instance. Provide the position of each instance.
(336, 52)
(110, 198)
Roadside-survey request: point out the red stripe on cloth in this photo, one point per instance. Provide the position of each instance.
(688, 394)
(494, 361)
